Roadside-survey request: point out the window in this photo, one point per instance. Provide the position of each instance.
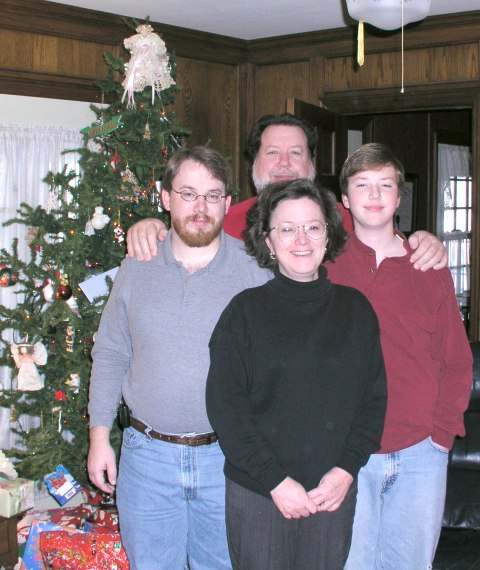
(454, 219)
(457, 216)
(27, 154)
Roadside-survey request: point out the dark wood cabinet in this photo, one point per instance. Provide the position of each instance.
(8, 542)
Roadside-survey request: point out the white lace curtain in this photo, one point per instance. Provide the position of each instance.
(27, 154)
(454, 162)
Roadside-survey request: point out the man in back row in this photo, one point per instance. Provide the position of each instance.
(280, 147)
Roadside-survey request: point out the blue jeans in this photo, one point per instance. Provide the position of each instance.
(400, 502)
(171, 503)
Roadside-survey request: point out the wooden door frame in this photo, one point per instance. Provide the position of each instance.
(429, 98)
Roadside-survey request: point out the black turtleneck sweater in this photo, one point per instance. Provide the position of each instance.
(296, 383)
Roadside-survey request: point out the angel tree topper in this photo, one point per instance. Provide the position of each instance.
(149, 64)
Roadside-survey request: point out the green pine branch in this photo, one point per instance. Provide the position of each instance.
(118, 173)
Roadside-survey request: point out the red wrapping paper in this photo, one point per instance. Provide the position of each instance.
(63, 550)
(106, 516)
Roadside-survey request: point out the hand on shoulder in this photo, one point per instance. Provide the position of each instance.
(142, 238)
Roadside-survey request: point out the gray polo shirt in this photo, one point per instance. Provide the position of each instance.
(152, 342)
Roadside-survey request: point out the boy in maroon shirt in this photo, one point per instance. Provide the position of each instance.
(401, 490)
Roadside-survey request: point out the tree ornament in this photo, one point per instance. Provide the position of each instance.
(147, 133)
(148, 65)
(53, 202)
(89, 229)
(26, 357)
(153, 191)
(52, 238)
(99, 219)
(13, 417)
(130, 186)
(64, 291)
(101, 127)
(31, 235)
(72, 303)
(73, 382)
(47, 291)
(115, 161)
(7, 277)
(6, 467)
(93, 265)
(119, 234)
(176, 141)
(130, 181)
(69, 338)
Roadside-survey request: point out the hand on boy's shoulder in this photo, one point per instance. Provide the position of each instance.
(429, 251)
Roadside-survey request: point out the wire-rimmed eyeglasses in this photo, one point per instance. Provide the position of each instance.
(288, 232)
(213, 197)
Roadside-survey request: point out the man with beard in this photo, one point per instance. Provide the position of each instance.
(280, 147)
(152, 349)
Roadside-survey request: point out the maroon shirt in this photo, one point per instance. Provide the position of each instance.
(427, 355)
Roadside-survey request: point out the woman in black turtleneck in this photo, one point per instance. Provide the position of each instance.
(296, 390)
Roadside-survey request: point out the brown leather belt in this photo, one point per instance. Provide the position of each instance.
(192, 440)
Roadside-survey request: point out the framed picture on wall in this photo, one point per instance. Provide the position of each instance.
(405, 213)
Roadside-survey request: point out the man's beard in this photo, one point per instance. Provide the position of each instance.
(260, 184)
(201, 237)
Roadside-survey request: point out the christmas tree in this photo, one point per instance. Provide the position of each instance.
(78, 235)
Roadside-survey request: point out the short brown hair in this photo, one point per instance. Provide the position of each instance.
(258, 217)
(208, 157)
(371, 156)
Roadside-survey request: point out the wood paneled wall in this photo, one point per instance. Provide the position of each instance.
(52, 50)
(441, 54)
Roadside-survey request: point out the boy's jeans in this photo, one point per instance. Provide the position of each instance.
(399, 513)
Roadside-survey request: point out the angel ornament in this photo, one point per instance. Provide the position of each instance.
(27, 357)
(148, 65)
(6, 467)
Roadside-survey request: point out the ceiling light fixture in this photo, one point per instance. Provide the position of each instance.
(385, 15)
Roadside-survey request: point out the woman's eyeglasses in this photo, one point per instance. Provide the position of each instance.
(288, 232)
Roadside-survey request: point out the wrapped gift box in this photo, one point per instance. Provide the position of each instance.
(92, 496)
(64, 517)
(106, 516)
(32, 558)
(16, 495)
(95, 527)
(64, 550)
(61, 485)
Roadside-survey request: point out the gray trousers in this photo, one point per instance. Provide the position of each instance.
(260, 538)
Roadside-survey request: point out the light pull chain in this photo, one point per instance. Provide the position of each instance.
(361, 44)
(402, 90)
